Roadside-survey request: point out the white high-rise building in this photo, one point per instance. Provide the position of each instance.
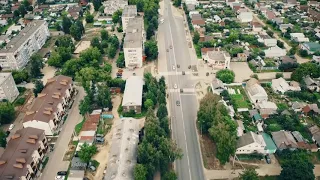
(134, 43)
(129, 12)
(8, 88)
(18, 51)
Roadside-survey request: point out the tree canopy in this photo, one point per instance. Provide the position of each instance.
(249, 174)
(296, 165)
(151, 49)
(226, 75)
(36, 64)
(7, 113)
(86, 152)
(213, 119)
(305, 69)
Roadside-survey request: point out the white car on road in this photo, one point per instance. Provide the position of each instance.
(173, 67)
(11, 127)
(175, 86)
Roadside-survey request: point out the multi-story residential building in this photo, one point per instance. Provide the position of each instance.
(8, 88)
(134, 43)
(112, 6)
(17, 52)
(24, 154)
(50, 105)
(128, 12)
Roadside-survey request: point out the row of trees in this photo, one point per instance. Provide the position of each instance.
(155, 92)
(63, 52)
(213, 119)
(156, 151)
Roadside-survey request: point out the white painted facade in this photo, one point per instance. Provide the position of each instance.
(133, 57)
(47, 127)
(8, 88)
(18, 51)
(256, 144)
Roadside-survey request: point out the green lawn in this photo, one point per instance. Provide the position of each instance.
(239, 101)
(79, 126)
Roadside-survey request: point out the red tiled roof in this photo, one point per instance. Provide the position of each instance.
(270, 14)
(7, 16)
(91, 123)
(205, 50)
(198, 22)
(87, 138)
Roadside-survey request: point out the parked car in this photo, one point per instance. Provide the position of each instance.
(62, 173)
(178, 103)
(11, 127)
(268, 160)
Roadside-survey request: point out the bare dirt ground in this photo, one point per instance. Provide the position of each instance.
(208, 149)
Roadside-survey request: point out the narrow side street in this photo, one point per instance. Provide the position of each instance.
(56, 162)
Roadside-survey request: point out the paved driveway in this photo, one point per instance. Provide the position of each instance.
(56, 162)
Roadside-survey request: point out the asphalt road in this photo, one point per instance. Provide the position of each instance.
(56, 162)
(183, 117)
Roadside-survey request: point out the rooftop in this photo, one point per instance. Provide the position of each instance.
(24, 34)
(134, 33)
(133, 91)
(47, 101)
(91, 122)
(284, 139)
(18, 153)
(129, 11)
(269, 142)
(250, 138)
(4, 76)
(123, 151)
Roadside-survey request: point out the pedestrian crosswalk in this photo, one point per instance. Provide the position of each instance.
(184, 90)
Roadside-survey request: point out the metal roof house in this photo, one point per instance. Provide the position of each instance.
(123, 152)
(132, 97)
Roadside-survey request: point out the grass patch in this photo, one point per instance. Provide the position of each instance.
(274, 127)
(20, 101)
(239, 101)
(282, 106)
(253, 156)
(75, 143)
(79, 126)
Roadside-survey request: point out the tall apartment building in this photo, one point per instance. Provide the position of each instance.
(18, 51)
(8, 88)
(112, 6)
(128, 12)
(49, 107)
(134, 43)
(23, 155)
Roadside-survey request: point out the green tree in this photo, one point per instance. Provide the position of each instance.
(85, 106)
(91, 55)
(270, 33)
(306, 69)
(280, 44)
(170, 175)
(104, 34)
(36, 64)
(95, 42)
(65, 41)
(86, 152)
(22, 10)
(303, 53)
(116, 16)
(226, 75)
(249, 174)
(151, 50)
(177, 3)
(162, 111)
(3, 138)
(71, 67)
(89, 18)
(38, 87)
(140, 172)
(96, 4)
(75, 32)
(66, 24)
(104, 97)
(148, 104)
(112, 51)
(279, 75)
(120, 61)
(296, 165)
(196, 37)
(101, 9)
(7, 113)
(20, 75)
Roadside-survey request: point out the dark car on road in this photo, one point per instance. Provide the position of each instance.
(62, 173)
(178, 103)
(268, 160)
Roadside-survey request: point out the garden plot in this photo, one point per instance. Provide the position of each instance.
(239, 99)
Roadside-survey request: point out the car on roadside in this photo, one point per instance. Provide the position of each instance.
(175, 86)
(178, 103)
(173, 67)
(268, 159)
(11, 127)
(61, 175)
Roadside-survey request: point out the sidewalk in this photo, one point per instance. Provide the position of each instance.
(56, 162)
